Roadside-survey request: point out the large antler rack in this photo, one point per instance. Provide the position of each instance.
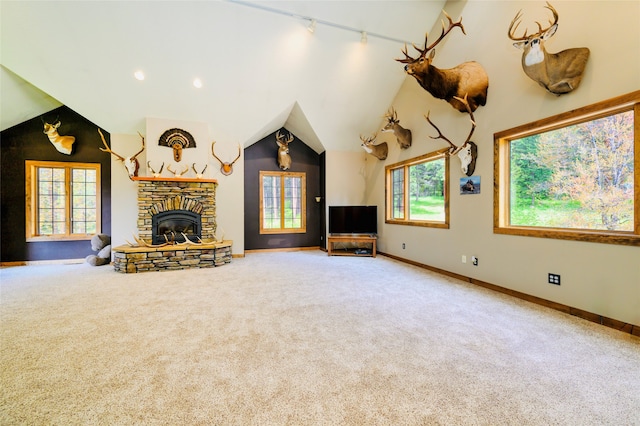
(516, 21)
(423, 52)
(455, 149)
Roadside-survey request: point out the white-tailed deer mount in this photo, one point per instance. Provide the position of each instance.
(558, 73)
(199, 175)
(64, 144)
(225, 168)
(403, 136)
(468, 151)
(153, 172)
(178, 173)
(284, 159)
(379, 151)
(448, 84)
(177, 139)
(130, 163)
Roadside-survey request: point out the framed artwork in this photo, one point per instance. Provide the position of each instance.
(470, 185)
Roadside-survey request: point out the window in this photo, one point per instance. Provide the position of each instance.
(63, 200)
(282, 202)
(417, 191)
(572, 176)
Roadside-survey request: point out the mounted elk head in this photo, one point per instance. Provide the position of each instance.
(403, 136)
(560, 72)
(225, 168)
(468, 151)
(379, 151)
(199, 175)
(448, 84)
(64, 144)
(284, 159)
(130, 163)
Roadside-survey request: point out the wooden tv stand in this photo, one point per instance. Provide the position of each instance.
(332, 239)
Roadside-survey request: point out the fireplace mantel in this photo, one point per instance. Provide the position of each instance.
(172, 179)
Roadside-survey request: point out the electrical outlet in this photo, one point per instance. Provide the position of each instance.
(474, 260)
(403, 246)
(464, 259)
(554, 279)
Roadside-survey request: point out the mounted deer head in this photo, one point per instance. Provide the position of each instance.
(379, 151)
(403, 136)
(468, 151)
(560, 72)
(467, 78)
(225, 168)
(130, 163)
(199, 175)
(284, 159)
(153, 172)
(64, 144)
(178, 173)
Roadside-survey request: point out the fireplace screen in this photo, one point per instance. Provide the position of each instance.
(171, 224)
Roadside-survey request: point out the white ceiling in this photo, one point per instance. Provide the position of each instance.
(261, 69)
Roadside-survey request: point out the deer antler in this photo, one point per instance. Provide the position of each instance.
(141, 149)
(118, 156)
(225, 168)
(423, 52)
(369, 140)
(281, 139)
(199, 174)
(178, 174)
(455, 149)
(516, 21)
(391, 116)
(156, 174)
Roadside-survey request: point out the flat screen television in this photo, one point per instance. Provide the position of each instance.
(353, 219)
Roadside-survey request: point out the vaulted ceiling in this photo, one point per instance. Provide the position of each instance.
(259, 66)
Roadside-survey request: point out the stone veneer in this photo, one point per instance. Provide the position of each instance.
(128, 259)
(156, 195)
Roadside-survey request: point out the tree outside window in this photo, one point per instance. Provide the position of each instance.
(417, 191)
(63, 200)
(572, 177)
(282, 202)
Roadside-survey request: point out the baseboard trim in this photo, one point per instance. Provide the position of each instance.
(632, 329)
(41, 262)
(281, 249)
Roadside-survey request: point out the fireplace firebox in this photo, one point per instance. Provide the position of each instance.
(170, 225)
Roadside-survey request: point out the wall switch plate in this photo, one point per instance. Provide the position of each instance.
(464, 259)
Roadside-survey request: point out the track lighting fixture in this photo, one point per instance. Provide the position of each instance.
(312, 26)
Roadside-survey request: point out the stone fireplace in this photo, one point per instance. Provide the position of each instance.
(178, 205)
(171, 206)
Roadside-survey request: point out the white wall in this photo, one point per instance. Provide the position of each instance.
(599, 278)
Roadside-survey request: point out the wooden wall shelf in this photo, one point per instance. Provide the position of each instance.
(172, 179)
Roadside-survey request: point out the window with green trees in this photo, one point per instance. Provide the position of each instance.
(282, 202)
(572, 176)
(63, 200)
(417, 191)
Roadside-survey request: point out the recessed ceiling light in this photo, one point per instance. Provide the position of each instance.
(139, 75)
(197, 83)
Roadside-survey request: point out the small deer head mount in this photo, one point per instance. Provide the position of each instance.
(199, 175)
(284, 159)
(64, 144)
(225, 168)
(130, 163)
(379, 151)
(468, 151)
(558, 73)
(403, 136)
(177, 139)
(467, 78)
(153, 172)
